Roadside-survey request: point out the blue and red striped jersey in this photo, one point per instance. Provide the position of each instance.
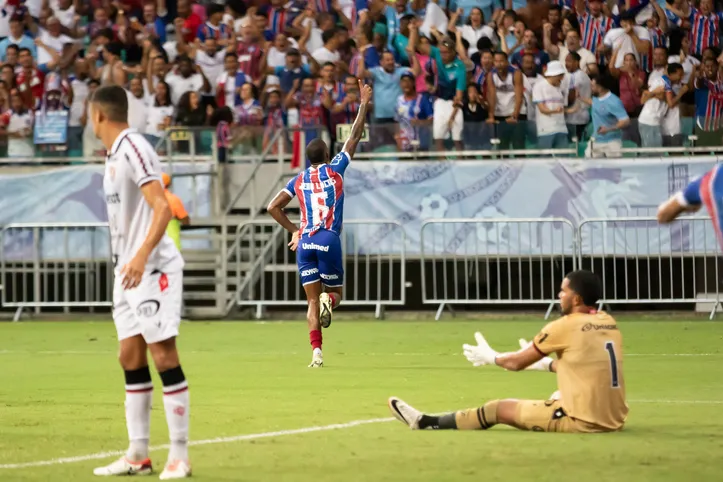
(708, 190)
(708, 104)
(593, 30)
(704, 30)
(219, 32)
(657, 39)
(320, 190)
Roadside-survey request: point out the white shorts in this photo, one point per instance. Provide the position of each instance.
(151, 309)
(440, 121)
(604, 149)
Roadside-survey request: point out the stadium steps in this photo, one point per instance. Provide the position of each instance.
(208, 288)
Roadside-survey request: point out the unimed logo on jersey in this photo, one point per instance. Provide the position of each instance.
(113, 198)
(148, 308)
(317, 247)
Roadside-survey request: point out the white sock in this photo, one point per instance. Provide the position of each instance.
(176, 401)
(316, 351)
(138, 419)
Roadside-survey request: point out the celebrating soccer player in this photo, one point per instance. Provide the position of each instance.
(148, 286)
(320, 190)
(589, 369)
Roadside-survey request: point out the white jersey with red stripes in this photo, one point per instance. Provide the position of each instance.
(131, 163)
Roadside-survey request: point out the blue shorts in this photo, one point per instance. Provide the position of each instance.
(319, 259)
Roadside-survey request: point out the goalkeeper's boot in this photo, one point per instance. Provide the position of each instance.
(325, 310)
(317, 360)
(404, 412)
(123, 466)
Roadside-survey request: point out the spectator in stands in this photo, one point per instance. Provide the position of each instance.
(679, 50)
(530, 77)
(476, 133)
(704, 24)
(30, 80)
(609, 118)
(670, 125)
(293, 70)
(250, 52)
(329, 52)
(708, 104)
(660, 64)
(550, 102)
(7, 75)
(386, 79)
(553, 33)
(190, 112)
(473, 29)
(302, 96)
(274, 114)
(214, 27)
(186, 78)
(11, 56)
(92, 146)
(654, 108)
(628, 39)
(414, 114)
(160, 112)
(631, 82)
(210, 60)
(187, 20)
(17, 37)
(505, 96)
(249, 111)
(588, 63)
(579, 87)
(229, 82)
(594, 24)
(18, 122)
(153, 26)
(529, 46)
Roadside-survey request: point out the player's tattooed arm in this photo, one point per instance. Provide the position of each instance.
(357, 129)
(156, 199)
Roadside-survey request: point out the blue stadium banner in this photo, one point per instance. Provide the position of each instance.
(51, 127)
(574, 189)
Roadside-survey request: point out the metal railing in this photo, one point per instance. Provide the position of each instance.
(642, 262)
(373, 277)
(495, 261)
(64, 268)
(56, 266)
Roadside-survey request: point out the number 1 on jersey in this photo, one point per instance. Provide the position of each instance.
(613, 364)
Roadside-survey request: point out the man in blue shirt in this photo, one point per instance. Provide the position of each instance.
(17, 37)
(609, 118)
(386, 79)
(294, 70)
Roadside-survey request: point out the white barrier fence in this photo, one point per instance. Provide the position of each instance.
(268, 275)
(464, 262)
(56, 266)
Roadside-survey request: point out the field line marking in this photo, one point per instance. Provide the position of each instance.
(274, 353)
(217, 440)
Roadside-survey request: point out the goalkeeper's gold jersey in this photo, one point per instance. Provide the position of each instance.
(589, 349)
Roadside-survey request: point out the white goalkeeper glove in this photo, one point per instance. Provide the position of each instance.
(541, 365)
(480, 354)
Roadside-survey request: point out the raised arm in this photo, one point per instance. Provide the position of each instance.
(357, 129)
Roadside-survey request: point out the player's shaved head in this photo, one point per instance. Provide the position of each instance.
(111, 102)
(586, 285)
(317, 152)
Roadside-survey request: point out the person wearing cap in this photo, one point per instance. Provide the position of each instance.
(550, 103)
(178, 211)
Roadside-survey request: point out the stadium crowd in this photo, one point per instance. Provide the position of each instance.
(464, 72)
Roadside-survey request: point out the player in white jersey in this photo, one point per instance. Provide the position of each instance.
(147, 293)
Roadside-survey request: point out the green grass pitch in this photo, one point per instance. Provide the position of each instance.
(61, 395)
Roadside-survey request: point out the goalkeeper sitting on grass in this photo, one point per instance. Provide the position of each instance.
(589, 369)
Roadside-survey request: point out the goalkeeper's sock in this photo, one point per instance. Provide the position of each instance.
(471, 419)
(335, 299)
(315, 339)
